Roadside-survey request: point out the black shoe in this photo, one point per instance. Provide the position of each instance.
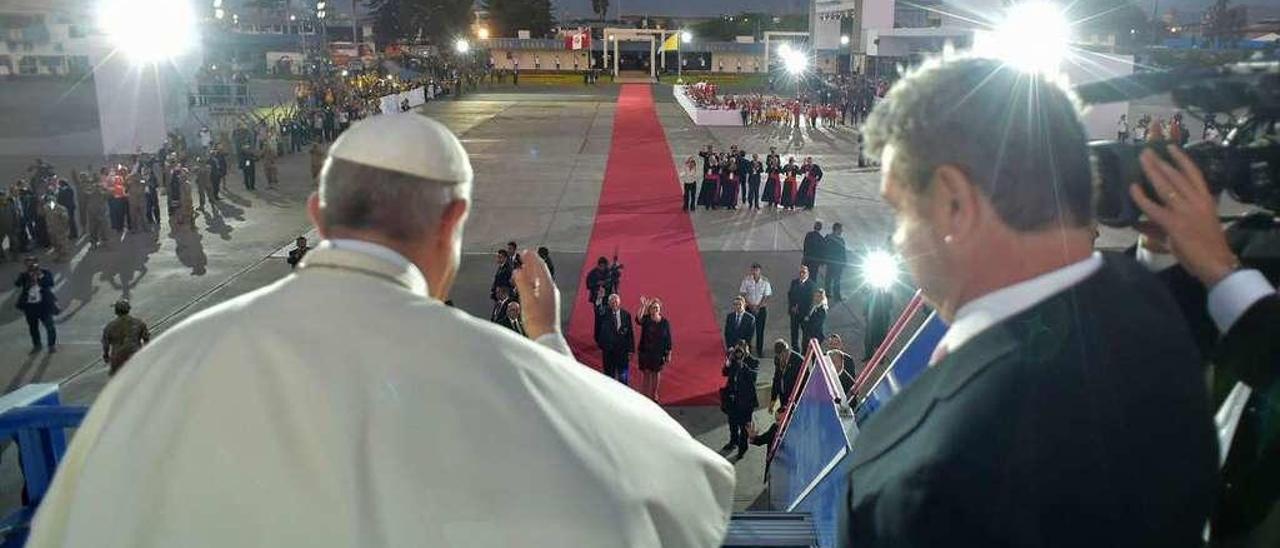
(53, 348)
(741, 452)
(726, 447)
(37, 348)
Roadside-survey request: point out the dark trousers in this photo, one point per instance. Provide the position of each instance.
(753, 194)
(34, 319)
(762, 315)
(834, 273)
(742, 189)
(250, 177)
(690, 197)
(796, 321)
(73, 225)
(616, 365)
(153, 207)
(738, 435)
(215, 185)
(118, 209)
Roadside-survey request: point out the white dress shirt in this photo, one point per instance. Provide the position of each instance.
(755, 291)
(1229, 299)
(979, 314)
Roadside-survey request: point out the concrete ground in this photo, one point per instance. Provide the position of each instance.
(539, 156)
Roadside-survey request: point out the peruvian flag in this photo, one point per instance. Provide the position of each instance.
(578, 40)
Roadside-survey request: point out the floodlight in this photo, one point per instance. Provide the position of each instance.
(483, 33)
(794, 61)
(344, 72)
(844, 39)
(1034, 37)
(462, 46)
(148, 30)
(219, 14)
(686, 36)
(879, 269)
(784, 49)
(293, 17)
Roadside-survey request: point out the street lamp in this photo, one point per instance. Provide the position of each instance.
(462, 46)
(685, 37)
(844, 39)
(483, 33)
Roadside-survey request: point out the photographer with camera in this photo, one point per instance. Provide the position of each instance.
(38, 303)
(1238, 326)
(738, 399)
(603, 280)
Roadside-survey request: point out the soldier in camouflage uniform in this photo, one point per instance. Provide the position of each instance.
(123, 337)
(58, 224)
(136, 190)
(94, 205)
(269, 165)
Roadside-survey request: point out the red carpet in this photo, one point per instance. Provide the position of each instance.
(639, 216)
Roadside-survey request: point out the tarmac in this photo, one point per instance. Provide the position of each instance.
(539, 156)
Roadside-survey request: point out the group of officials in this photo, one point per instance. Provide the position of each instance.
(729, 179)
(1066, 405)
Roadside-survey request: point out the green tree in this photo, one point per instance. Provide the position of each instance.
(600, 8)
(747, 24)
(434, 20)
(510, 16)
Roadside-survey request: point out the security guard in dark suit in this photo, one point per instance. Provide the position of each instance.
(739, 325)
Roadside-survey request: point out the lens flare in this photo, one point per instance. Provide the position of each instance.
(147, 31)
(1034, 37)
(880, 269)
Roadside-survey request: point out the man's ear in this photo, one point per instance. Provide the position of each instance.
(957, 206)
(451, 220)
(313, 213)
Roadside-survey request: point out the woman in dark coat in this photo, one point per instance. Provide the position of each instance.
(709, 193)
(773, 183)
(738, 397)
(654, 349)
(789, 184)
(815, 319)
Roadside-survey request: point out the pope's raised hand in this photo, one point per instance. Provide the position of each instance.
(539, 297)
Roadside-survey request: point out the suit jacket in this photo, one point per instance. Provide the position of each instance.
(743, 330)
(516, 326)
(48, 301)
(1081, 421)
(784, 383)
(836, 252)
(814, 247)
(800, 295)
(619, 338)
(740, 388)
(499, 311)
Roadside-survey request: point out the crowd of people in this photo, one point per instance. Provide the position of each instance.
(1066, 404)
(728, 179)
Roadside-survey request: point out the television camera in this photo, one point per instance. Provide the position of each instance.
(1245, 163)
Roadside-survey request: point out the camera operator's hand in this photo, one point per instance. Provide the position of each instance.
(1188, 217)
(539, 296)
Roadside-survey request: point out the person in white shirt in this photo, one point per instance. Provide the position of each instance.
(756, 289)
(346, 405)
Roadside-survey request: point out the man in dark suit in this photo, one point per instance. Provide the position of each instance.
(815, 247)
(615, 336)
(511, 319)
(836, 256)
(501, 298)
(249, 167)
(502, 276)
(739, 325)
(1065, 405)
(1224, 283)
(38, 303)
(799, 300)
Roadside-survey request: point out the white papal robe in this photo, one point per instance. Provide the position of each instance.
(342, 406)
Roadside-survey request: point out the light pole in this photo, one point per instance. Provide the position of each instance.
(685, 38)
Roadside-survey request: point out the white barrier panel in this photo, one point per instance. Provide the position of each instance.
(704, 116)
(391, 103)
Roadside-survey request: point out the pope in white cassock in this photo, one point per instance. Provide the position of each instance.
(346, 405)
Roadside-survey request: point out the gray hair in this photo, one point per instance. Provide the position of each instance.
(1017, 136)
(400, 206)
